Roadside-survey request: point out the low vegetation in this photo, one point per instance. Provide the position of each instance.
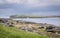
(9, 32)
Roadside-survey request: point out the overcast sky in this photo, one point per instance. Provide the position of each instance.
(30, 7)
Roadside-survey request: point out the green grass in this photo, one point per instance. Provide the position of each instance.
(8, 32)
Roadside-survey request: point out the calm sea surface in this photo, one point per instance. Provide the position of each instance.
(54, 21)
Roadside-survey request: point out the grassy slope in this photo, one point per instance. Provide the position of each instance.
(7, 32)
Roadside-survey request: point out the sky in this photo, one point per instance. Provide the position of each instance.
(29, 7)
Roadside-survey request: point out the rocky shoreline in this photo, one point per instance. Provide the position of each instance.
(39, 28)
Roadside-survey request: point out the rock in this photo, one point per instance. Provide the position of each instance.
(50, 29)
(23, 28)
(29, 29)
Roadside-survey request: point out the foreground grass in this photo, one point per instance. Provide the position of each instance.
(8, 32)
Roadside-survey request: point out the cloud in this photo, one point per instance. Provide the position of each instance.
(33, 3)
(8, 7)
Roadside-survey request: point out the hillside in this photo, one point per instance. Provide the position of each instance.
(9, 32)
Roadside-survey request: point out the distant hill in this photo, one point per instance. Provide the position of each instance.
(9, 32)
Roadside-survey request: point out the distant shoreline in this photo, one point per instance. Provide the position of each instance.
(39, 17)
